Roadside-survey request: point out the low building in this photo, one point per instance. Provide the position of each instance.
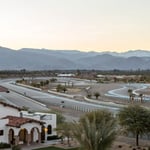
(66, 75)
(21, 127)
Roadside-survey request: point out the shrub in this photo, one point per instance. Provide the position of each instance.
(53, 137)
(16, 147)
(120, 146)
(4, 145)
(89, 95)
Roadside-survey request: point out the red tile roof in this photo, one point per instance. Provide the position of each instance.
(9, 105)
(18, 121)
(3, 89)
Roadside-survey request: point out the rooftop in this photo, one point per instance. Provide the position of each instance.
(18, 121)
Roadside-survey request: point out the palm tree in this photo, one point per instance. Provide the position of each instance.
(132, 97)
(130, 94)
(135, 119)
(141, 96)
(96, 94)
(95, 130)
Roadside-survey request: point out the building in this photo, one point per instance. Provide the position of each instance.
(66, 75)
(21, 127)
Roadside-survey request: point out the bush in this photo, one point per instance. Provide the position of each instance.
(89, 95)
(4, 145)
(16, 147)
(53, 137)
(120, 146)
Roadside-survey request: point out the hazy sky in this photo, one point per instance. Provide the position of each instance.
(89, 25)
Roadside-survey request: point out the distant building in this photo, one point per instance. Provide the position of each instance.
(100, 76)
(21, 127)
(66, 75)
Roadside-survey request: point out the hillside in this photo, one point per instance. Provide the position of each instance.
(44, 59)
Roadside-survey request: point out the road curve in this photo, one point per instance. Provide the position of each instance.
(123, 92)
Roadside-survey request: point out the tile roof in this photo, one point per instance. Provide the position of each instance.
(3, 89)
(9, 105)
(18, 121)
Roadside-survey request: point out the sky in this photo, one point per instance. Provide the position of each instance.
(86, 25)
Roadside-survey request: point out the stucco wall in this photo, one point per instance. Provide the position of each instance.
(4, 137)
(29, 127)
(50, 120)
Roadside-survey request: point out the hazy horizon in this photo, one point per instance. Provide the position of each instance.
(87, 25)
(113, 51)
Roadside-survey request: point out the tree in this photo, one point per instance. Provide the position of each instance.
(65, 130)
(47, 82)
(89, 95)
(133, 97)
(135, 119)
(96, 94)
(130, 94)
(41, 83)
(64, 89)
(59, 88)
(60, 118)
(95, 130)
(53, 80)
(141, 97)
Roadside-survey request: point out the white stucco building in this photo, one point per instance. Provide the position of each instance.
(21, 127)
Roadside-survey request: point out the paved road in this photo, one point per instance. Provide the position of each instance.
(20, 100)
(50, 99)
(123, 92)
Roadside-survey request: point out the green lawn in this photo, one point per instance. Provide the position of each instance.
(55, 148)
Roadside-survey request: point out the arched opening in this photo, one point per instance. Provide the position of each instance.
(49, 129)
(23, 136)
(35, 135)
(43, 134)
(11, 138)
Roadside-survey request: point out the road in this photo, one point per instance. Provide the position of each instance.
(123, 92)
(49, 99)
(20, 101)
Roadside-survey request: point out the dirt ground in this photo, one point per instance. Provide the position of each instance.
(103, 88)
(121, 143)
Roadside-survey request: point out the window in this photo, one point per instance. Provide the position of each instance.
(49, 131)
(1, 132)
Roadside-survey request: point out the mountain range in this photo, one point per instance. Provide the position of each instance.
(44, 59)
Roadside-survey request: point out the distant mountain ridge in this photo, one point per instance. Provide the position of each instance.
(44, 59)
